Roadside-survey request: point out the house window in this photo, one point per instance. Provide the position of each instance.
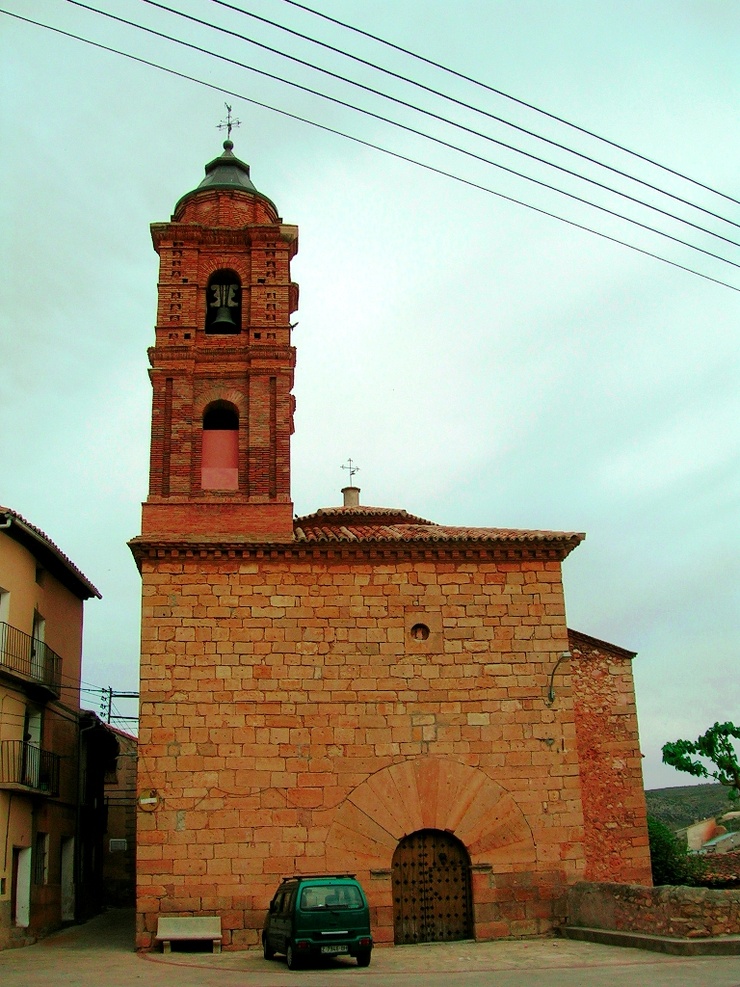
(38, 649)
(220, 449)
(224, 304)
(30, 762)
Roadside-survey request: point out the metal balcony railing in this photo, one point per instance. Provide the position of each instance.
(25, 767)
(29, 657)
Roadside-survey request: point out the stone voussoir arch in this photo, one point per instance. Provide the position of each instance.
(430, 793)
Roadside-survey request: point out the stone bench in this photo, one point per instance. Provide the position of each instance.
(189, 928)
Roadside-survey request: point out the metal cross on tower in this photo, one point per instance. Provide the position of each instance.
(352, 469)
(228, 124)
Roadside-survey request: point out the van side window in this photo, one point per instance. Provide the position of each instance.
(289, 898)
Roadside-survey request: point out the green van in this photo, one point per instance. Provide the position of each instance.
(317, 915)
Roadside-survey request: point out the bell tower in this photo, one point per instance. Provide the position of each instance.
(222, 364)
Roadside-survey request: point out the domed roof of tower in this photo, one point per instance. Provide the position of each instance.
(226, 172)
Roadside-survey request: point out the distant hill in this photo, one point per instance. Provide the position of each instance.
(679, 807)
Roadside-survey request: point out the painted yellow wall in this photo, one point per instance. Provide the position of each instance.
(60, 608)
(32, 589)
(12, 713)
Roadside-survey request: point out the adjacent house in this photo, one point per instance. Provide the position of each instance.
(708, 836)
(119, 854)
(53, 756)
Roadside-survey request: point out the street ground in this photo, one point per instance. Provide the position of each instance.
(100, 954)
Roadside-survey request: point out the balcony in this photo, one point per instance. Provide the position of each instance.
(25, 768)
(29, 659)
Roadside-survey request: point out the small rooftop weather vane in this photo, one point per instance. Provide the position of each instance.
(349, 465)
(228, 124)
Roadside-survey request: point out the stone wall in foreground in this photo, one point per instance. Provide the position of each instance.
(691, 913)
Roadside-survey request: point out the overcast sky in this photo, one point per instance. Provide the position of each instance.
(483, 364)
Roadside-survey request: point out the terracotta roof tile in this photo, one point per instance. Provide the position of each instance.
(355, 524)
(393, 515)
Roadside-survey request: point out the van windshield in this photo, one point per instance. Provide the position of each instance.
(328, 896)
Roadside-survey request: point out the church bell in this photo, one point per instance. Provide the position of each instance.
(224, 323)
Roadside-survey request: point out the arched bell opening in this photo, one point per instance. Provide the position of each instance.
(432, 895)
(220, 447)
(223, 304)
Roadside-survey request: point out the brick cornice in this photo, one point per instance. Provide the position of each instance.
(246, 353)
(367, 551)
(195, 234)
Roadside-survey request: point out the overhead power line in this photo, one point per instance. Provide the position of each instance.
(369, 144)
(412, 130)
(109, 709)
(513, 99)
(452, 99)
(438, 117)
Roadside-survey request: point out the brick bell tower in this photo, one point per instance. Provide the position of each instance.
(222, 364)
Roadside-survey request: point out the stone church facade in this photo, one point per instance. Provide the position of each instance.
(355, 690)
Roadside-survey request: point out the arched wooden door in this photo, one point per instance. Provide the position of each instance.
(432, 900)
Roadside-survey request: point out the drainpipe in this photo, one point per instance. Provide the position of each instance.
(10, 793)
(6, 523)
(78, 819)
(7, 830)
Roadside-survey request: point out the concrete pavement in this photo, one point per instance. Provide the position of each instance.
(101, 953)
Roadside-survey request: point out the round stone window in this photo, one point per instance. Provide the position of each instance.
(420, 632)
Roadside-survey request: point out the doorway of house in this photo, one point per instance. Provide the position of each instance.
(432, 899)
(68, 879)
(20, 896)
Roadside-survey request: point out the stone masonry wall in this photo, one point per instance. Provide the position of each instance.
(616, 844)
(668, 911)
(295, 719)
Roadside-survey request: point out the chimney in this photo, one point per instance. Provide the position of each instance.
(351, 496)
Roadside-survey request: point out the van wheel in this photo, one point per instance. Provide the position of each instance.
(267, 950)
(363, 958)
(290, 957)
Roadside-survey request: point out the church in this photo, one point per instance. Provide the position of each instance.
(359, 690)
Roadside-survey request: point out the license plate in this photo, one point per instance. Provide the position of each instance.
(334, 949)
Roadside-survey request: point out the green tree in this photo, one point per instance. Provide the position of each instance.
(715, 746)
(669, 857)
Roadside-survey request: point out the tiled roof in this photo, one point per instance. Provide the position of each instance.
(580, 640)
(36, 534)
(722, 869)
(357, 524)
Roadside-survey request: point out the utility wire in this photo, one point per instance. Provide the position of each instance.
(513, 99)
(69, 681)
(446, 120)
(119, 719)
(376, 147)
(411, 130)
(457, 102)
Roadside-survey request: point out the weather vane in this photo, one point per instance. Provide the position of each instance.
(352, 469)
(228, 124)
